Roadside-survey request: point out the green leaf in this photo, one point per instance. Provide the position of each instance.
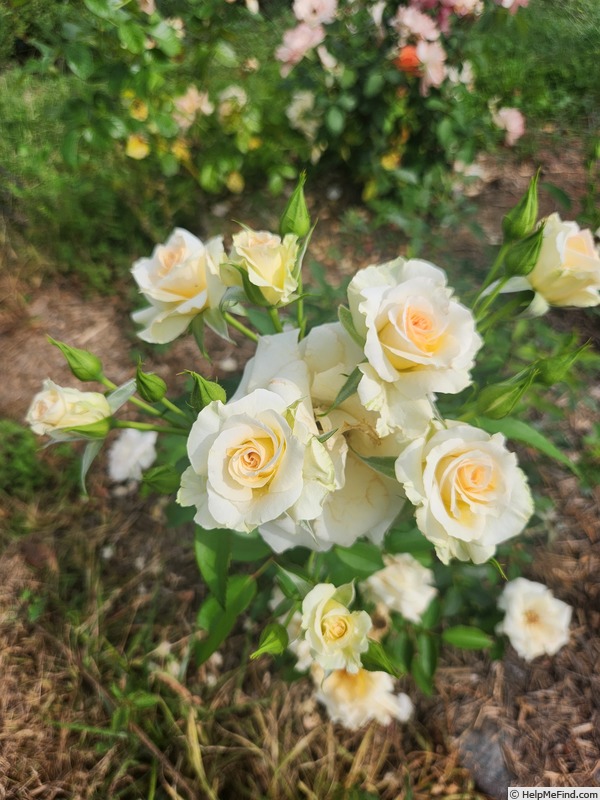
(219, 622)
(345, 318)
(248, 547)
(292, 583)
(432, 614)
(164, 479)
(79, 60)
(374, 84)
(423, 681)
(335, 119)
(363, 557)
(467, 637)
(132, 37)
(273, 640)
(427, 653)
(523, 432)
(324, 436)
(197, 328)
(69, 148)
(166, 39)
(383, 464)
(213, 552)
(348, 389)
(89, 454)
(411, 541)
(376, 659)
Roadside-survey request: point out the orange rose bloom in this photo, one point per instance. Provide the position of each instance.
(408, 60)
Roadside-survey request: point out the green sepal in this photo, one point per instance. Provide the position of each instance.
(376, 659)
(164, 479)
(295, 218)
(150, 386)
(522, 256)
(521, 219)
(273, 641)
(204, 391)
(347, 322)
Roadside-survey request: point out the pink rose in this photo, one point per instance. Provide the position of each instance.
(512, 121)
(315, 12)
(432, 57)
(296, 43)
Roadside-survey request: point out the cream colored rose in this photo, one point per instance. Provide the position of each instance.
(353, 699)
(567, 272)
(246, 463)
(354, 500)
(535, 621)
(336, 635)
(180, 280)
(56, 408)
(419, 340)
(403, 585)
(469, 492)
(269, 262)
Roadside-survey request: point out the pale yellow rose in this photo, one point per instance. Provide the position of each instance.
(56, 408)
(269, 262)
(180, 280)
(336, 635)
(469, 492)
(567, 272)
(535, 621)
(353, 699)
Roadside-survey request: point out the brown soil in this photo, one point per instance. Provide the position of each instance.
(508, 722)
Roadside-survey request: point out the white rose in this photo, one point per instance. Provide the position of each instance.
(418, 339)
(130, 453)
(535, 621)
(336, 635)
(180, 280)
(246, 463)
(470, 493)
(567, 272)
(403, 585)
(353, 699)
(269, 262)
(56, 408)
(354, 500)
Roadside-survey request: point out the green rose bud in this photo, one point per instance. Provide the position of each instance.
(204, 392)
(150, 387)
(83, 364)
(499, 399)
(555, 369)
(295, 218)
(522, 256)
(95, 430)
(522, 218)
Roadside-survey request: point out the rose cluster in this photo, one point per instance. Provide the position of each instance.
(332, 433)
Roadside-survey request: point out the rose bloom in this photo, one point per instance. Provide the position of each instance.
(408, 61)
(336, 635)
(246, 462)
(432, 57)
(132, 452)
(188, 104)
(355, 698)
(567, 272)
(403, 585)
(535, 621)
(355, 500)
(315, 12)
(419, 340)
(410, 21)
(268, 260)
(56, 408)
(512, 121)
(180, 280)
(296, 43)
(469, 492)
(137, 147)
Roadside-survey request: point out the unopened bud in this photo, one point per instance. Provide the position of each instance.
(295, 218)
(522, 256)
(149, 386)
(83, 364)
(521, 219)
(204, 392)
(498, 400)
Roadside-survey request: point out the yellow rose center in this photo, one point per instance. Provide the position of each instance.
(169, 257)
(349, 686)
(254, 462)
(531, 617)
(421, 330)
(414, 326)
(334, 628)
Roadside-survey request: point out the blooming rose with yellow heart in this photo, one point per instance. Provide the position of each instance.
(336, 635)
(269, 262)
(180, 280)
(469, 492)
